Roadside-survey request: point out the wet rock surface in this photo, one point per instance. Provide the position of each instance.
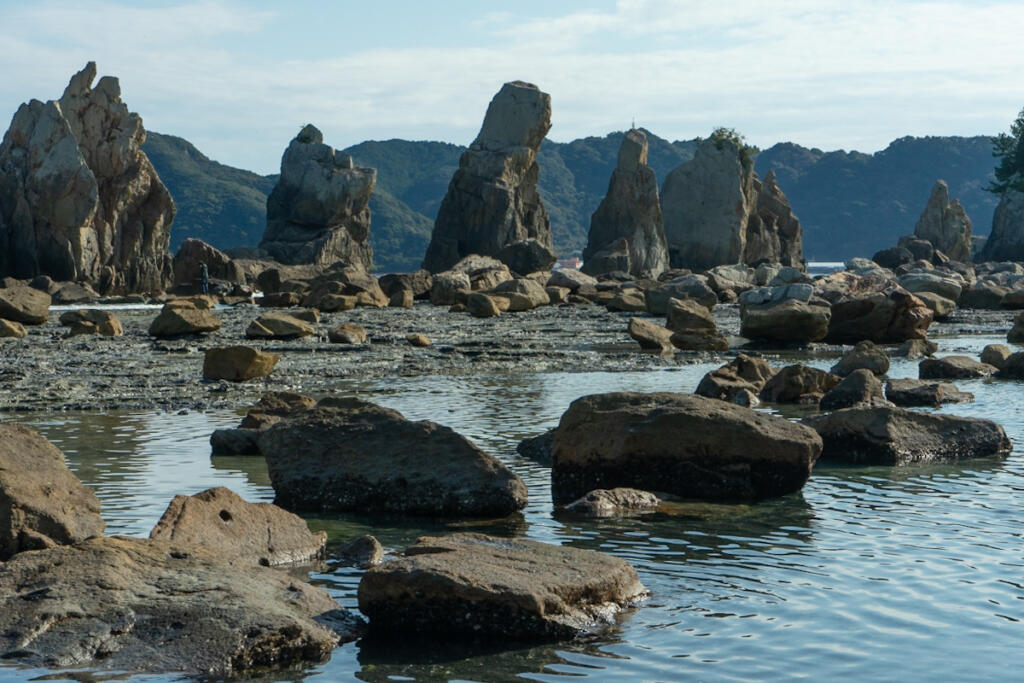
(477, 585)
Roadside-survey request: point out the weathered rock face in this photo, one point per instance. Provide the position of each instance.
(79, 199)
(631, 210)
(42, 504)
(129, 604)
(483, 586)
(348, 454)
(319, 211)
(256, 533)
(717, 212)
(1006, 242)
(945, 224)
(193, 253)
(896, 436)
(686, 445)
(492, 200)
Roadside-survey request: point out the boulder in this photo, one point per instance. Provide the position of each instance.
(319, 210)
(684, 287)
(716, 211)
(418, 282)
(12, 329)
(630, 211)
(527, 256)
(953, 367)
(79, 199)
(742, 374)
(872, 307)
(945, 224)
(477, 586)
(238, 363)
(916, 348)
(421, 341)
(995, 355)
(347, 333)
(67, 293)
(864, 355)
(1016, 333)
(798, 384)
(450, 287)
(984, 293)
(538, 448)
(191, 256)
(92, 321)
(620, 502)
(523, 294)
(787, 320)
(42, 504)
(136, 605)
(948, 286)
(234, 442)
(627, 300)
(255, 533)
(401, 298)
(570, 278)
(649, 335)
(481, 305)
(941, 307)
(685, 445)
(693, 328)
(1006, 241)
(492, 200)
(175, 321)
(1013, 367)
(22, 304)
(893, 257)
(859, 387)
(278, 326)
(916, 392)
(363, 552)
(557, 295)
(896, 436)
(611, 258)
(348, 454)
(289, 299)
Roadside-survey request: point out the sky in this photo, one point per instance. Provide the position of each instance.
(239, 79)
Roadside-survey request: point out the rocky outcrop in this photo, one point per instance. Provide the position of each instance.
(79, 199)
(42, 504)
(681, 444)
(130, 604)
(255, 533)
(631, 211)
(492, 200)
(479, 586)
(1006, 241)
(945, 224)
(896, 436)
(348, 454)
(319, 211)
(191, 256)
(717, 212)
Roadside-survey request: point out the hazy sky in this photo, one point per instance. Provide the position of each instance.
(239, 79)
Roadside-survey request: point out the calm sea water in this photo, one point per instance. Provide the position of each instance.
(872, 573)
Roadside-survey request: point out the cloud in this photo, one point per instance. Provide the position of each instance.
(831, 74)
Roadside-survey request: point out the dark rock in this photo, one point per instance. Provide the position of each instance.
(742, 374)
(995, 355)
(486, 587)
(347, 454)
(1006, 241)
(1013, 367)
(234, 442)
(896, 436)
(619, 502)
(916, 392)
(538, 448)
(953, 367)
(363, 552)
(864, 355)
(798, 384)
(419, 283)
(191, 256)
(681, 444)
(893, 257)
(859, 387)
(527, 256)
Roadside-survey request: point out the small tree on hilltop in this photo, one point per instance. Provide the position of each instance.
(1009, 149)
(722, 135)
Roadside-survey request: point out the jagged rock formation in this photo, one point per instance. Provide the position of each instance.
(945, 224)
(492, 200)
(718, 212)
(319, 211)
(79, 199)
(631, 211)
(1006, 242)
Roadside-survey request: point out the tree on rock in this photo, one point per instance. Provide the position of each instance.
(1009, 149)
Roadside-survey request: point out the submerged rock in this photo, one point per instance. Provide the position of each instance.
(488, 587)
(681, 444)
(538, 448)
(42, 504)
(348, 454)
(896, 436)
(618, 502)
(128, 604)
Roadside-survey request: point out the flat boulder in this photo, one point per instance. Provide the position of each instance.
(255, 533)
(497, 588)
(918, 392)
(22, 304)
(348, 333)
(137, 605)
(42, 504)
(278, 326)
(897, 436)
(92, 321)
(784, 314)
(238, 363)
(618, 502)
(650, 335)
(178, 320)
(349, 454)
(523, 294)
(681, 444)
(953, 367)
(798, 384)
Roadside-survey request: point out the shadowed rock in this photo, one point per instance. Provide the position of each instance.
(1006, 241)
(618, 502)
(916, 392)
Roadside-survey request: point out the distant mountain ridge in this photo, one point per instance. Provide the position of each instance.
(850, 203)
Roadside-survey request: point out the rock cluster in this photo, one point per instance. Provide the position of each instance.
(79, 199)
(492, 200)
(630, 211)
(319, 211)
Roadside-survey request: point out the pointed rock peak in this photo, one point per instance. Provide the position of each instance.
(109, 86)
(770, 184)
(310, 134)
(80, 84)
(940, 194)
(633, 151)
(518, 116)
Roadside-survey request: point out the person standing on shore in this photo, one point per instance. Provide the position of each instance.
(204, 278)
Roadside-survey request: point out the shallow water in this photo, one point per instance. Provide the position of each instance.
(872, 572)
